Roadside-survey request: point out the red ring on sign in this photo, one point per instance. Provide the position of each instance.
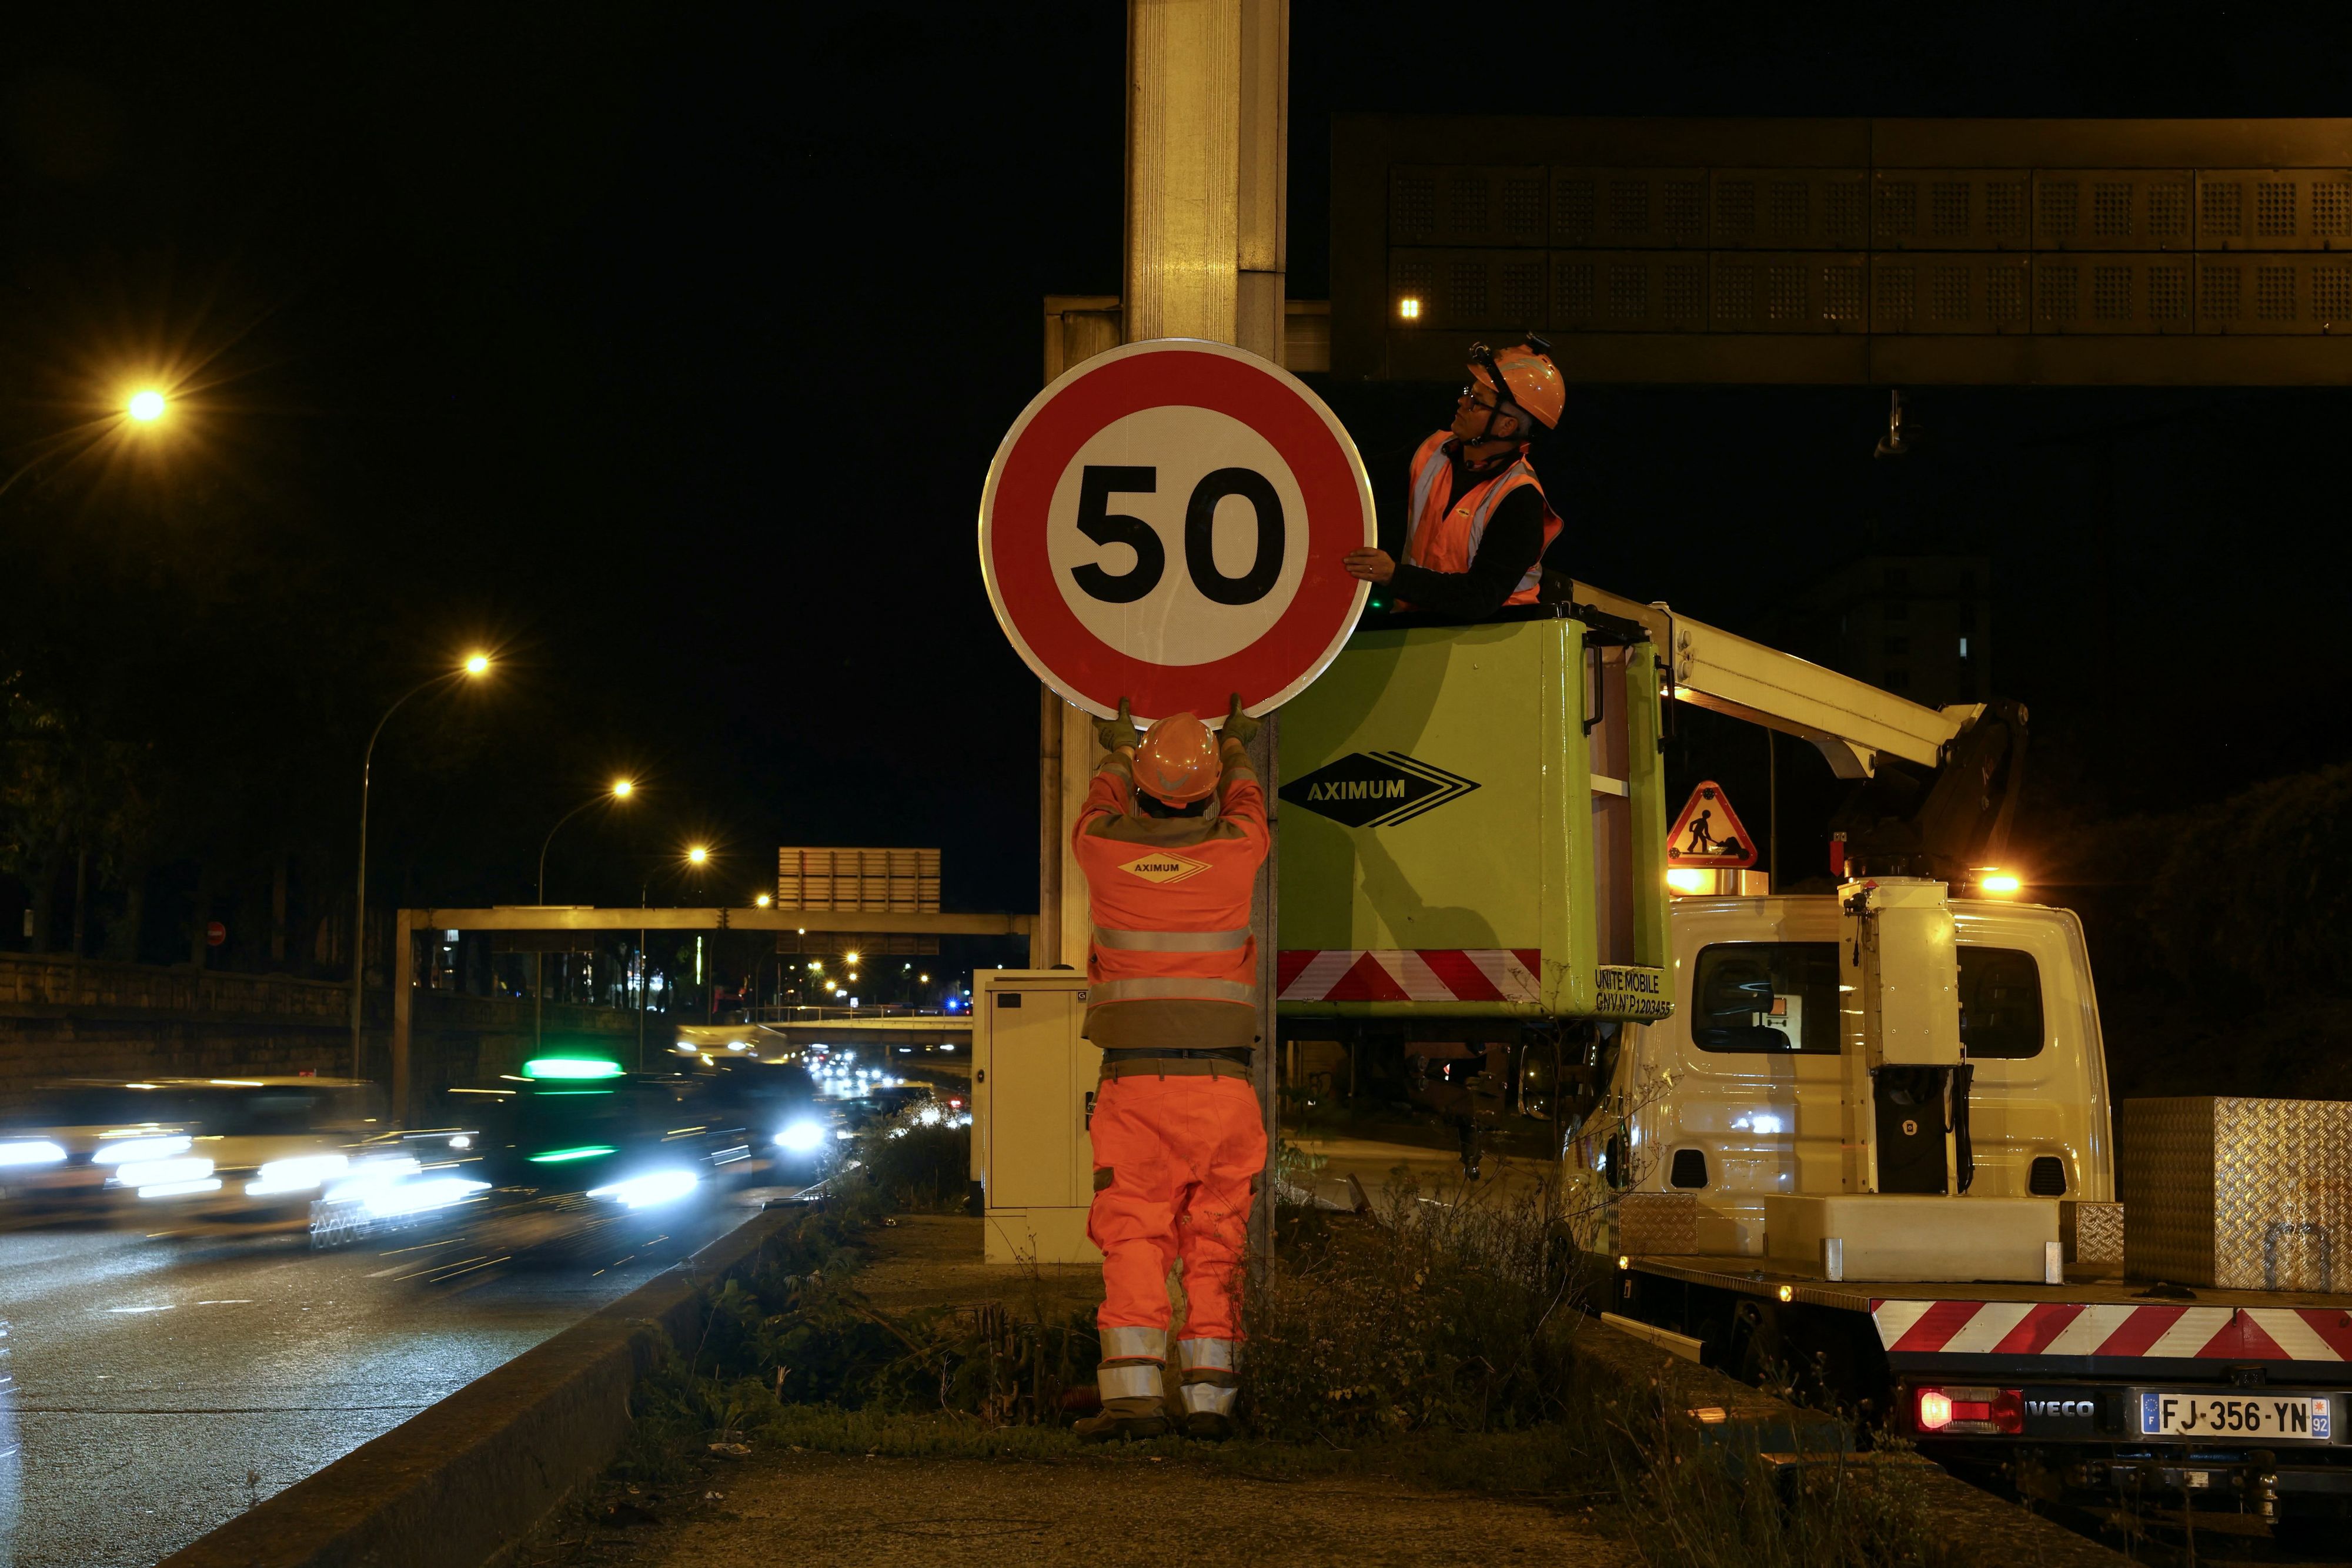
(1320, 463)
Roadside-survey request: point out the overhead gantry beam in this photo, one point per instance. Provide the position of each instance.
(590, 917)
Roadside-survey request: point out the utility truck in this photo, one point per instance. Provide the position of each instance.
(1858, 1139)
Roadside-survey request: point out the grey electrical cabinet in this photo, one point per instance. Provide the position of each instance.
(1033, 1087)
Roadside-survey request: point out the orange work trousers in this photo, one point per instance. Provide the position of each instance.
(1176, 1166)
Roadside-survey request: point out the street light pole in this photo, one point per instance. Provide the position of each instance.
(619, 792)
(475, 665)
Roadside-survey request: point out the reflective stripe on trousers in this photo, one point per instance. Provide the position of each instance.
(1135, 1360)
(1174, 989)
(1172, 941)
(1134, 1342)
(1211, 1375)
(1130, 1380)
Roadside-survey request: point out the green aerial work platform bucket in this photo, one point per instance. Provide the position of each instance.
(1473, 826)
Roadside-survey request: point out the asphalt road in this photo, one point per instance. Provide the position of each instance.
(162, 1384)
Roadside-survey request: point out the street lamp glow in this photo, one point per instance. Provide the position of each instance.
(622, 788)
(146, 406)
(2002, 884)
(763, 900)
(850, 959)
(477, 664)
(696, 856)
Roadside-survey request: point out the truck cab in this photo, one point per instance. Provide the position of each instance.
(1744, 1090)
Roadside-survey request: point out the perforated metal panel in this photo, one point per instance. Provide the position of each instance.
(1789, 209)
(1758, 291)
(1950, 209)
(2113, 209)
(1928, 233)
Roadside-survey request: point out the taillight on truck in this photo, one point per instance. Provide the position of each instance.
(1949, 1410)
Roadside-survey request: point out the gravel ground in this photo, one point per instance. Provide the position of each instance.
(816, 1511)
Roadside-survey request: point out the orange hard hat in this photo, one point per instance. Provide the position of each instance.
(1532, 379)
(1177, 760)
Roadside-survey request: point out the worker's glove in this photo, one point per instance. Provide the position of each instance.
(1239, 726)
(1116, 732)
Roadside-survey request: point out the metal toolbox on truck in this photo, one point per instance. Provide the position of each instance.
(2242, 1194)
(1473, 824)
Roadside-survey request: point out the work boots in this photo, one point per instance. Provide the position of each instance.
(1115, 1426)
(1135, 1362)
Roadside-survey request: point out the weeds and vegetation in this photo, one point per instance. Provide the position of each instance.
(1432, 1342)
(1711, 1504)
(1453, 1315)
(924, 1168)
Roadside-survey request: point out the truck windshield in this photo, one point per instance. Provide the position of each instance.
(1767, 996)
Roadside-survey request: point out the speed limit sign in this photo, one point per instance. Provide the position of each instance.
(1165, 523)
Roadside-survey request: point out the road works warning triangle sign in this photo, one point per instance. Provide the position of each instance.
(1708, 833)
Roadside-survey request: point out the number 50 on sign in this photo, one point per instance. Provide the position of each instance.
(1165, 523)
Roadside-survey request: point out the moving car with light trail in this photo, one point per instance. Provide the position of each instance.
(263, 1150)
(63, 1153)
(576, 1124)
(777, 1103)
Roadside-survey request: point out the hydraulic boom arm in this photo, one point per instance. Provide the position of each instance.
(1938, 785)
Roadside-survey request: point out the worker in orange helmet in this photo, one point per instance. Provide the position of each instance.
(1170, 839)
(1478, 523)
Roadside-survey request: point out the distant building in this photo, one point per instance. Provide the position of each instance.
(1919, 626)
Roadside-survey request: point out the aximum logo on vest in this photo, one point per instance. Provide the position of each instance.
(1164, 866)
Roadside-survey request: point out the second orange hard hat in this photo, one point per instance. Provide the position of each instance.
(1533, 380)
(1177, 760)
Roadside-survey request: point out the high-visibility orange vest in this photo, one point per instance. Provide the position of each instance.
(1171, 896)
(1448, 529)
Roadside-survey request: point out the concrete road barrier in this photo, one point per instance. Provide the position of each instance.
(456, 1485)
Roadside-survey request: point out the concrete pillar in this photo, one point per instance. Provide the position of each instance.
(1207, 185)
(1261, 228)
(1184, 167)
(1207, 248)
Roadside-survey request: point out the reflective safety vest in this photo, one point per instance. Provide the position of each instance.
(1448, 529)
(1170, 895)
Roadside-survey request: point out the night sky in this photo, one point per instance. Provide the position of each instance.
(664, 349)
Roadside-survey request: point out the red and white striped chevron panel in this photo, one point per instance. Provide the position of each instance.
(1407, 975)
(2074, 1328)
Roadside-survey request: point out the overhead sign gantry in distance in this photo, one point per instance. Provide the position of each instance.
(2083, 251)
(1165, 524)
